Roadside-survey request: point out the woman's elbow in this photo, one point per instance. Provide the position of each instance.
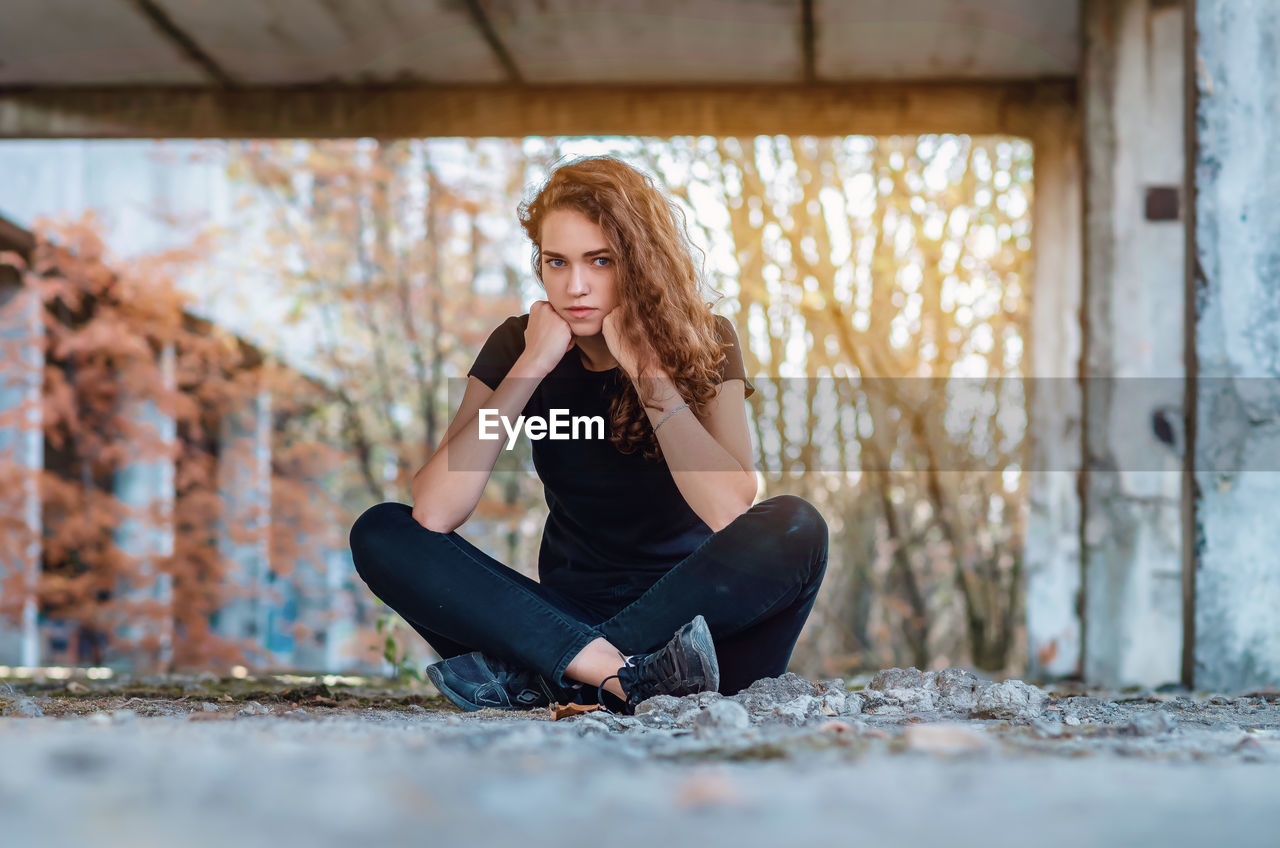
(433, 521)
(725, 518)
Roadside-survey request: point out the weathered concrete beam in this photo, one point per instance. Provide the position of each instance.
(1235, 285)
(1133, 343)
(872, 108)
(1053, 521)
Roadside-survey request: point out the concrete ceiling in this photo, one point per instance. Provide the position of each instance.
(233, 43)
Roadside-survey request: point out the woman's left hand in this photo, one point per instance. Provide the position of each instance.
(630, 353)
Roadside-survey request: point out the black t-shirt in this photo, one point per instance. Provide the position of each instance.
(616, 521)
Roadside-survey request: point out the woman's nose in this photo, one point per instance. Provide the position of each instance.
(577, 281)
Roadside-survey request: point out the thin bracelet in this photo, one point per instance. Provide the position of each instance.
(668, 415)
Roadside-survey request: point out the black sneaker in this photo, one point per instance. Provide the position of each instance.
(473, 682)
(685, 666)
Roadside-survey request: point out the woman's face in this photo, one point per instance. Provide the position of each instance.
(577, 270)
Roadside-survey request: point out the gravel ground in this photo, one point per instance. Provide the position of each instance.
(909, 757)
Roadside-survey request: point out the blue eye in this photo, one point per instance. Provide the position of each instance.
(552, 262)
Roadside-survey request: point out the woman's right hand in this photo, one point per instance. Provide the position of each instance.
(548, 337)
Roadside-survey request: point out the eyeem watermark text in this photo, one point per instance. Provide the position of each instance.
(559, 426)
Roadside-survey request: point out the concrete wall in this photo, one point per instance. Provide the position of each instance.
(150, 196)
(1132, 97)
(1236, 187)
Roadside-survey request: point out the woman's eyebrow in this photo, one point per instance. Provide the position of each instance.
(586, 255)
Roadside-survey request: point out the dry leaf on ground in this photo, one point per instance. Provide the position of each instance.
(571, 710)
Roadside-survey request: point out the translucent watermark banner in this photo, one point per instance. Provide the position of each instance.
(838, 424)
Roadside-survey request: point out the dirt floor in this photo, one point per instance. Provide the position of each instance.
(900, 755)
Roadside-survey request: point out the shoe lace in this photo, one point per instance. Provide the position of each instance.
(514, 677)
(662, 666)
(630, 692)
(600, 692)
(505, 671)
(646, 670)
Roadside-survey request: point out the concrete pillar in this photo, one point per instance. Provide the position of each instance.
(244, 486)
(1132, 95)
(281, 608)
(1236, 349)
(339, 641)
(1053, 522)
(319, 538)
(21, 461)
(145, 487)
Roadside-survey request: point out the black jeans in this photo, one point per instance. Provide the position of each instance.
(754, 581)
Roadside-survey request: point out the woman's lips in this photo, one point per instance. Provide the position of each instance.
(580, 311)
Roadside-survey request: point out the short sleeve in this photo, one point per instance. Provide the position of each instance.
(500, 351)
(732, 368)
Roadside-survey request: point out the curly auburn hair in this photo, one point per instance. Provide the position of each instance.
(657, 283)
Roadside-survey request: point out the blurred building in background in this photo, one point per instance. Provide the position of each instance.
(303, 614)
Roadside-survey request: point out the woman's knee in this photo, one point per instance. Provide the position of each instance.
(787, 532)
(797, 520)
(370, 533)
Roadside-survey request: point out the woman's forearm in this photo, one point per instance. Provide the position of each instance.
(447, 488)
(712, 481)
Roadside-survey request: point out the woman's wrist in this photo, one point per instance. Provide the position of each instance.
(664, 418)
(527, 366)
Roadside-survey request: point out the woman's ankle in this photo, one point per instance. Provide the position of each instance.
(595, 664)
